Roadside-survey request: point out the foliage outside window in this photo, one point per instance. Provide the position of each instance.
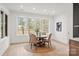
(21, 26)
(38, 26)
(35, 26)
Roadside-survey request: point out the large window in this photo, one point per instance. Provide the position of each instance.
(32, 25)
(3, 24)
(38, 26)
(21, 26)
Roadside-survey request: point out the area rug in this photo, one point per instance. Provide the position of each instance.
(38, 49)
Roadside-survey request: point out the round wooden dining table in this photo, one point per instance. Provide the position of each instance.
(41, 41)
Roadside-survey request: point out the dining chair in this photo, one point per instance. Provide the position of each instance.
(33, 40)
(48, 40)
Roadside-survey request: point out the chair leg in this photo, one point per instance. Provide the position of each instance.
(53, 45)
(48, 45)
(31, 45)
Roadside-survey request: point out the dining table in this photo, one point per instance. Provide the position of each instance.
(41, 41)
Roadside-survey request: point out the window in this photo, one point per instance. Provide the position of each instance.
(45, 25)
(0, 24)
(31, 25)
(6, 24)
(38, 26)
(21, 28)
(3, 24)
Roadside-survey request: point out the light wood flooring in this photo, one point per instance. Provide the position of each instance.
(23, 49)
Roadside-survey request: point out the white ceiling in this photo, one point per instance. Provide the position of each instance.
(39, 8)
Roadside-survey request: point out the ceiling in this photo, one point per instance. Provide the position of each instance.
(39, 8)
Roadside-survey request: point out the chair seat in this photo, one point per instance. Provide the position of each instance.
(46, 40)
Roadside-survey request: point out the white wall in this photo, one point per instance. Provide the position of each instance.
(4, 42)
(6, 11)
(66, 18)
(61, 36)
(51, 27)
(12, 27)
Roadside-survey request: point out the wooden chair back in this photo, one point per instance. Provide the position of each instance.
(49, 38)
(33, 38)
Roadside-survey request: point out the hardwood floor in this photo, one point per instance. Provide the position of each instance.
(24, 50)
